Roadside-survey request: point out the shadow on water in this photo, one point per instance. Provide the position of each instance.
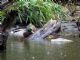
(2, 55)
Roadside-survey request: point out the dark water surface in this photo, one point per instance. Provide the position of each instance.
(36, 50)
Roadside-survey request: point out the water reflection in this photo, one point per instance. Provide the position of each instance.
(2, 55)
(44, 50)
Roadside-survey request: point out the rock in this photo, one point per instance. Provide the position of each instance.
(60, 41)
(3, 40)
(78, 8)
(77, 13)
(6, 24)
(3, 1)
(69, 28)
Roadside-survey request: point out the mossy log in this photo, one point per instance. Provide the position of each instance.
(51, 27)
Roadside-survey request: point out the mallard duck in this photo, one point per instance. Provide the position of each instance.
(30, 30)
(23, 32)
(27, 33)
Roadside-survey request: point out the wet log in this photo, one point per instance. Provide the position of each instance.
(51, 27)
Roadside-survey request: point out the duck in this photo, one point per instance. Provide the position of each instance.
(23, 32)
(30, 30)
(28, 33)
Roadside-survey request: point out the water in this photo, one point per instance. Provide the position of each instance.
(41, 50)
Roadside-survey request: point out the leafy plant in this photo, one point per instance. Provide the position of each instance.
(2, 15)
(37, 11)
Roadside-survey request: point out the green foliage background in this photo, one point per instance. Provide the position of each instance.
(37, 12)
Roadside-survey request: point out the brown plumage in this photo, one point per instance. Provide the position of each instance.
(27, 34)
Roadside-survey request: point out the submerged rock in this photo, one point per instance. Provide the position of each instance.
(60, 41)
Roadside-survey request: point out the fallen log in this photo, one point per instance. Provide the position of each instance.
(50, 27)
